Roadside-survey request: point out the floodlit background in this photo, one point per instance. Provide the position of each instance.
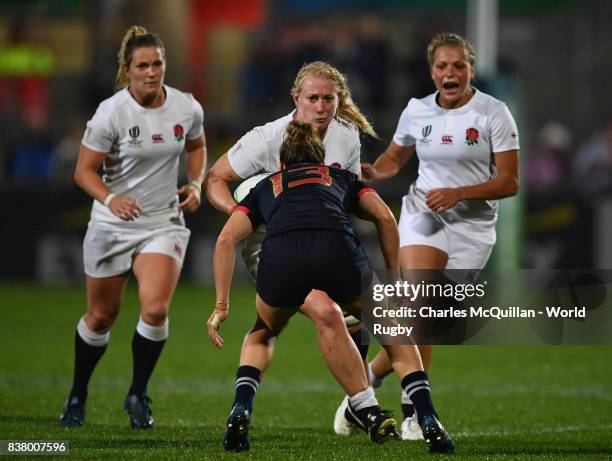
(548, 59)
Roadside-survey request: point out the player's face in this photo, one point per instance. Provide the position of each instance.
(317, 101)
(452, 73)
(146, 73)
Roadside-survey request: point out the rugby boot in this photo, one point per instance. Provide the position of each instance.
(437, 438)
(236, 436)
(138, 407)
(73, 414)
(410, 429)
(341, 424)
(378, 424)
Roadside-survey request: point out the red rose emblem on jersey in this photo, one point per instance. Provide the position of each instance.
(178, 132)
(471, 136)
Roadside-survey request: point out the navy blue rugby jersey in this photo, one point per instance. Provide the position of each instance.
(304, 196)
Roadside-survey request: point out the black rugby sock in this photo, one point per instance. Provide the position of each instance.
(247, 382)
(86, 358)
(407, 410)
(362, 339)
(416, 386)
(145, 354)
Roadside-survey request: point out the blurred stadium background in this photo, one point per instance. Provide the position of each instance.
(548, 59)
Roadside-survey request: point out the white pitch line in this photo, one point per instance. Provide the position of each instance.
(545, 430)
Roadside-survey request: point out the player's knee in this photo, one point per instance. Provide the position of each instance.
(99, 321)
(327, 314)
(156, 314)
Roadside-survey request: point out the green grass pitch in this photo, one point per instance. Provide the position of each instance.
(500, 403)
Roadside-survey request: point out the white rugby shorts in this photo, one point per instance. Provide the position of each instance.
(251, 249)
(468, 244)
(109, 251)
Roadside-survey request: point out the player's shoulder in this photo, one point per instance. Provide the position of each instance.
(120, 99)
(180, 98)
(344, 129)
(417, 105)
(486, 103)
(274, 130)
(346, 175)
(179, 95)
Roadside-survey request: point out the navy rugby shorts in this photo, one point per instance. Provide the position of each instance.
(293, 263)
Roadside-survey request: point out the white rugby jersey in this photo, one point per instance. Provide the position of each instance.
(455, 146)
(143, 149)
(258, 151)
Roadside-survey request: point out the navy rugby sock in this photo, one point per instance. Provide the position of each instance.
(416, 387)
(407, 406)
(86, 357)
(362, 339)
(247, 382)
(407, 410)
(145, 353)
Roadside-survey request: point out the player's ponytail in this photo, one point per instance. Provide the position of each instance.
(135, 37)
(301, 145)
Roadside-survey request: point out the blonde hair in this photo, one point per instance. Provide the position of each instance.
(347, 109)
(301, 144)
(135, 37)
(451, 39)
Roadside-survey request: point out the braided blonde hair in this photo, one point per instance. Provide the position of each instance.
(135, 37)
(347, 109)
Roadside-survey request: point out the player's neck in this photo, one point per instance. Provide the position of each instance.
(150, 101)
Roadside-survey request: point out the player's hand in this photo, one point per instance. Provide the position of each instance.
(218, 316)
(368, 173)
(440, 200)
(125, 207)
(193, 198)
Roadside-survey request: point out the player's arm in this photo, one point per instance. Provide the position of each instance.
(87, 178)
(388, 163)
(237, 228)
(216, 185)
(196, 164)
(388, 236)
(505, 184)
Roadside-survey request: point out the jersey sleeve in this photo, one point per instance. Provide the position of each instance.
(100, 133)
(197, 123)
(504, 134)
(357, 189)
(249, 205)
(246, 157)
(402, 136)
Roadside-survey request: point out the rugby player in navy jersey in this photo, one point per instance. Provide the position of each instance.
(311, 244)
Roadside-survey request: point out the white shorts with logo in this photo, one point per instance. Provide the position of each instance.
(468, 243)
(110, 250)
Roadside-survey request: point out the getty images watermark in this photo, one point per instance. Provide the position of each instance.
(470, 307)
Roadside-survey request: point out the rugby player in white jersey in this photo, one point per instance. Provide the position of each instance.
(138, 136)
(322, 98)
(468, 150)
